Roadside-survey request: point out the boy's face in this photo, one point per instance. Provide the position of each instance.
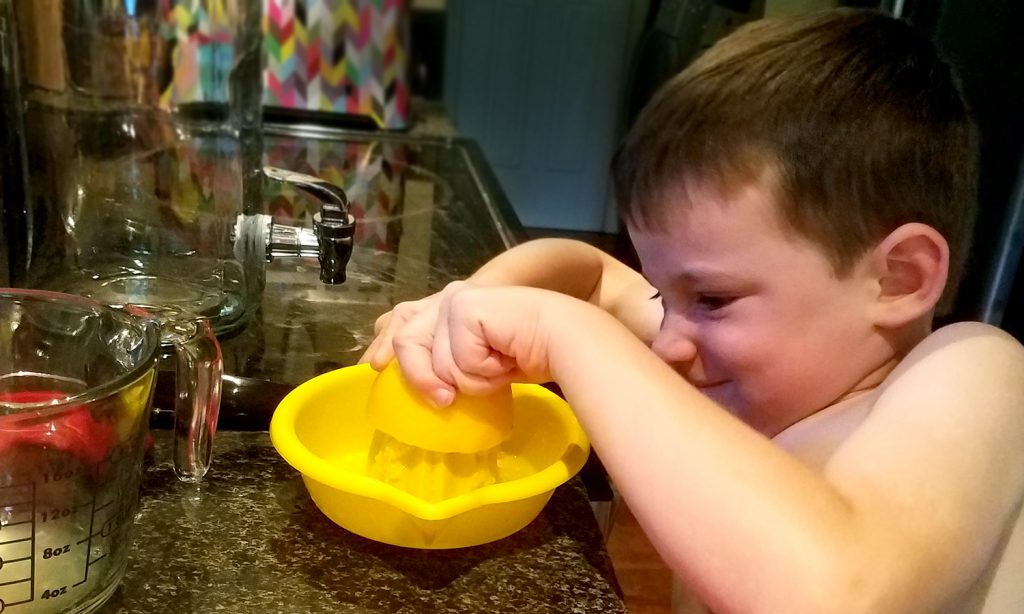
(753, 314)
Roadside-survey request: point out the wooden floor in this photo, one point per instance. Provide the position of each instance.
(645, 580)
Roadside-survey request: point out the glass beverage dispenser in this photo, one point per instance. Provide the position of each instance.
(137, 124)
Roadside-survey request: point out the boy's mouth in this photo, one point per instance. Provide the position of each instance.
(717, 392)
(709, 388)
(705, 386)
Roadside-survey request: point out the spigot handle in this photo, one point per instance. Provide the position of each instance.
(332, 197)
(334, 226)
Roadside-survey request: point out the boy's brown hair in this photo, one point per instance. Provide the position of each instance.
(849, 117)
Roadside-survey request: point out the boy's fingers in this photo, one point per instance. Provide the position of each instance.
(416, 345)
(380, 352)
(381, 323)
(475, 366)
(380, 341)
(491, 364)
(418, 370)
(440, 352)
(475, 386)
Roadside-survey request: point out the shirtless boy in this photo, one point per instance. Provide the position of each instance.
(769, 396)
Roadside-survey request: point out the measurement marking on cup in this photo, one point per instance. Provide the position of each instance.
(88, 541)
(105, 530)
(9, 561)
(40, 533)
(60, 529)
(15, 524)
(15, 582)
(19, 516)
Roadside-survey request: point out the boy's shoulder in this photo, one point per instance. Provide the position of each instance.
(935, 454)
(963, 355)
(964, 382)
(938, 453)
(961, 331)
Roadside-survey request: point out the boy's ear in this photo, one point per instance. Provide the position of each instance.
(910, 266)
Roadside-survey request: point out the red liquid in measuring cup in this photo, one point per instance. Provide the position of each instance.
(74, 430)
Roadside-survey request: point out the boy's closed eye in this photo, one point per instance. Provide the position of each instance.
(712, 302)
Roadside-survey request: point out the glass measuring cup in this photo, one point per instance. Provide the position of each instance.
(76, 383)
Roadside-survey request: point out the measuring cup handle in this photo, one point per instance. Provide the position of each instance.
(199, 370)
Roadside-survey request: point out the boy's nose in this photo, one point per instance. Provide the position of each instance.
(674, 343)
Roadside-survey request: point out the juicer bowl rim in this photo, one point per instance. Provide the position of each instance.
(151, 332)
(313, 467)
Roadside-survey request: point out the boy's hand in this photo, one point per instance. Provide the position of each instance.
(381, 350)
(475, 339)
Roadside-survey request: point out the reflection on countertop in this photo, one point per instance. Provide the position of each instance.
(428, 211)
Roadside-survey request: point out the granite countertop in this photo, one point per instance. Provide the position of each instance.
(249, 539)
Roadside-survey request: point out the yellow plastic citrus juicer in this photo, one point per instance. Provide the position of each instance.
(382, 462)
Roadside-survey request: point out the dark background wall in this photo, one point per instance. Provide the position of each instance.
(984, 40)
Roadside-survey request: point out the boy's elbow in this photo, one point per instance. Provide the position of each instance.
(856, 581)
(870, 587)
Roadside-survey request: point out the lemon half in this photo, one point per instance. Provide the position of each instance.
(470, 424)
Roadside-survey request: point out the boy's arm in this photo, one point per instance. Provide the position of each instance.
(569, 267)
(582, 271)
(903, 519)
(565, 266)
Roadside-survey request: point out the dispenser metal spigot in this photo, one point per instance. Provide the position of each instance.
(334, 226)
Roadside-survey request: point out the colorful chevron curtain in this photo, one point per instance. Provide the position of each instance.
(345, 56)
(202, 36)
